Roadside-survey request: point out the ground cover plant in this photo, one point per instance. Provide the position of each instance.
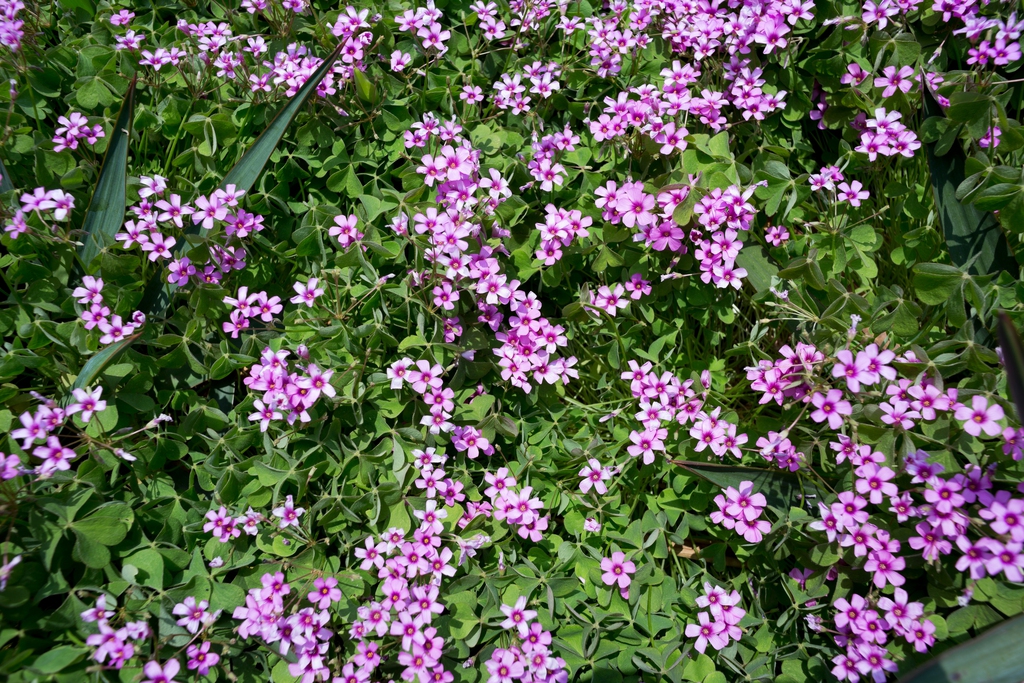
(543, 340)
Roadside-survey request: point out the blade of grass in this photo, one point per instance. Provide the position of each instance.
(972, 236)
(92, 369)
(106, 209)
(243, 176)
(993, 657)
(5, 181)
(247, 171)
(1013, 360)
(782, 488)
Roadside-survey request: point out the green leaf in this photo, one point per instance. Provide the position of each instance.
(58, 659)
(105, 215)
(972, 236)
(1013, 359)
(607, 258)
(759, 269)
(149, 566)
(698, 669)
(782, 488)
(968, 106)
(89, 552)
(993, 657)
(936, 282)
(365, 90)
(107, 525)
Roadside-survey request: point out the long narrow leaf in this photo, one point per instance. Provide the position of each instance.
(5, 181)
(782, 488)
(243, 176)
(1013, 360)
(106, 209)
(248, 169)
(92, 369)
(969, 232)
(993, 657)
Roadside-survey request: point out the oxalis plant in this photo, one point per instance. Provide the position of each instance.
(541, 341)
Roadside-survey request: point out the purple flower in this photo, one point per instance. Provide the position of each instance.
(200, 659)
(306, 293)
(194, 615)
(707, 631)
(875, 482)
(155, 673)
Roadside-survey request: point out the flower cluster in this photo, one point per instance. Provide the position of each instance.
(45, 423)
(156, 215)
(939, 508)
(740, 509)
(113, 647)
(720, 624)
(246, 306)
(293, 392)
(423, 23)
(559, 229)
(544, 166)
(43, 204)
(98, 315)
(663, 399)
(517, 508)
(434, 482)
(11, 27)
(425, 379)
(885, 135)
(283, 622)
(73, 128)
(530, 659)
(224, 527)
(864, 625)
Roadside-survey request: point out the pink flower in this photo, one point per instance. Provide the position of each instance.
(646, 443)
(830, 407)
(194, 615)
(617, 570)
(885, 568)
(980, 417)
(155, 673)
(91, 291)
(894, 80)
(518, 617)
(875, 482)
(854, 371)
(306, 293)
(200, 659)
(594, 475)
(87, 403)
(705, 632)
(222, 525)
(288, 513)
(325, 591)
(400, 60)
(852, 193)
